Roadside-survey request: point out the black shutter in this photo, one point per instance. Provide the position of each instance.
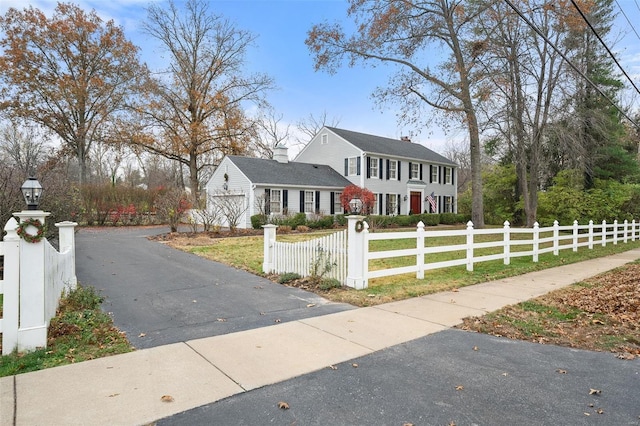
(346, 167)
(430, 173)
(388, 169)
(267, 201)
(317, 202)
(332, 200)
(398, 168)
(410, 173)
(380, 204)
(380, 167)
(420, 171)
(440, 179)
(453, 204)
(398, 201)
(301, 201)
(453, 176)
(285, 199)
(358, 166)
(386, 203)
(368, 167)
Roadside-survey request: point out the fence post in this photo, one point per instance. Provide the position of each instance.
(536, 241)
(11, 292)
(626, 230)
(615, 232)
(604, 233)
(575, 235)
(269, 239)
(507, 242)
(469, 246)
(356, 247)
(67, 240)
(420, 248)
(633, 230)
(33, 324)
(590, 234)
(556, 237)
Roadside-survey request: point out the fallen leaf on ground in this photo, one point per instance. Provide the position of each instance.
(475, 348)
(221, 320)
(142, 334)
(283, 405)
(354, 365)
(167, 398)
(600, 411)
(455, 290)
(595, 391)
(113, 395)
(277, 320)
(559, 370)
(311, 305)
(333, 367)
(459, 387)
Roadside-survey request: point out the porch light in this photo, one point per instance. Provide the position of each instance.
(355, 205)
(32, 193)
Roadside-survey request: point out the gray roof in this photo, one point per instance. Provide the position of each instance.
(372, 144)
(271, 172)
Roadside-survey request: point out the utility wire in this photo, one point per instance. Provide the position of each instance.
(623, 14)
(605, 45)
(554, 47)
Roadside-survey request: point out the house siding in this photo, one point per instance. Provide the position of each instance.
(237, 184)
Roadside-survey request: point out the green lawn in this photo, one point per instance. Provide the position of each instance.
(246, 253)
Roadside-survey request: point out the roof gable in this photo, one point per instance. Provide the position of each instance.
(271, 172)
(372, 144)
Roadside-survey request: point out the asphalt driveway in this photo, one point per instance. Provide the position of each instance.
(159, 295)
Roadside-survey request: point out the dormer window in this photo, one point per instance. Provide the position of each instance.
(324, 139)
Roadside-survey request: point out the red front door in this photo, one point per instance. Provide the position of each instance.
(416, 207)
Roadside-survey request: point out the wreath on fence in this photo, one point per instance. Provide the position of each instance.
(31, 238)
(359, 226)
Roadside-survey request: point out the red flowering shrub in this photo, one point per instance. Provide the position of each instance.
(353, 191)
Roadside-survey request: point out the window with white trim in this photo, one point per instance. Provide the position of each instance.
(392, 205)
(447, 175)
(324, 139)
(275, 201)
(448, 204)
(337, 205)
(393, 167)
(353, 166)
(308, 201)
(434, 174)
(415, 171)
(373, 167)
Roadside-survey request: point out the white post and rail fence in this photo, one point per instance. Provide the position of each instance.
(34, 277)
(417, 254)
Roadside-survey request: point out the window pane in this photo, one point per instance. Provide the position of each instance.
(373, 167)
(308, 201)
(353, 166)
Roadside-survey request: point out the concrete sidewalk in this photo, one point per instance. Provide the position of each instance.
(131, 389)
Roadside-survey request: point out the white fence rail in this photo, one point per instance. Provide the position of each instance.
(536, 241)
(35, 275)
(325, 256)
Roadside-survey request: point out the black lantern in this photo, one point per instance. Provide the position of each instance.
(355, 205)
(32, 192)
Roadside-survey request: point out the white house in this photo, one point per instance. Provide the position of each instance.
(405, 177)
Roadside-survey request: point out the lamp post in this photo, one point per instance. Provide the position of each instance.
(355, 205)
(32, 192)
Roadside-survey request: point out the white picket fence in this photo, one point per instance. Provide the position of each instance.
(326, 256)
(557, 238)
(357, 263)
(35, 276)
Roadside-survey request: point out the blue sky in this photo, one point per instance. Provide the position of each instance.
(281, 27)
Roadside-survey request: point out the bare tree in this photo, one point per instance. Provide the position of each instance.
(230, 206)
(195, 109)
(311, 125)
(271, 132)
(23, 146)
(405, 33)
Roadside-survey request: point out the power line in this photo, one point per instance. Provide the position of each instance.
(623, 14)
(605, 45)
(575, 68)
